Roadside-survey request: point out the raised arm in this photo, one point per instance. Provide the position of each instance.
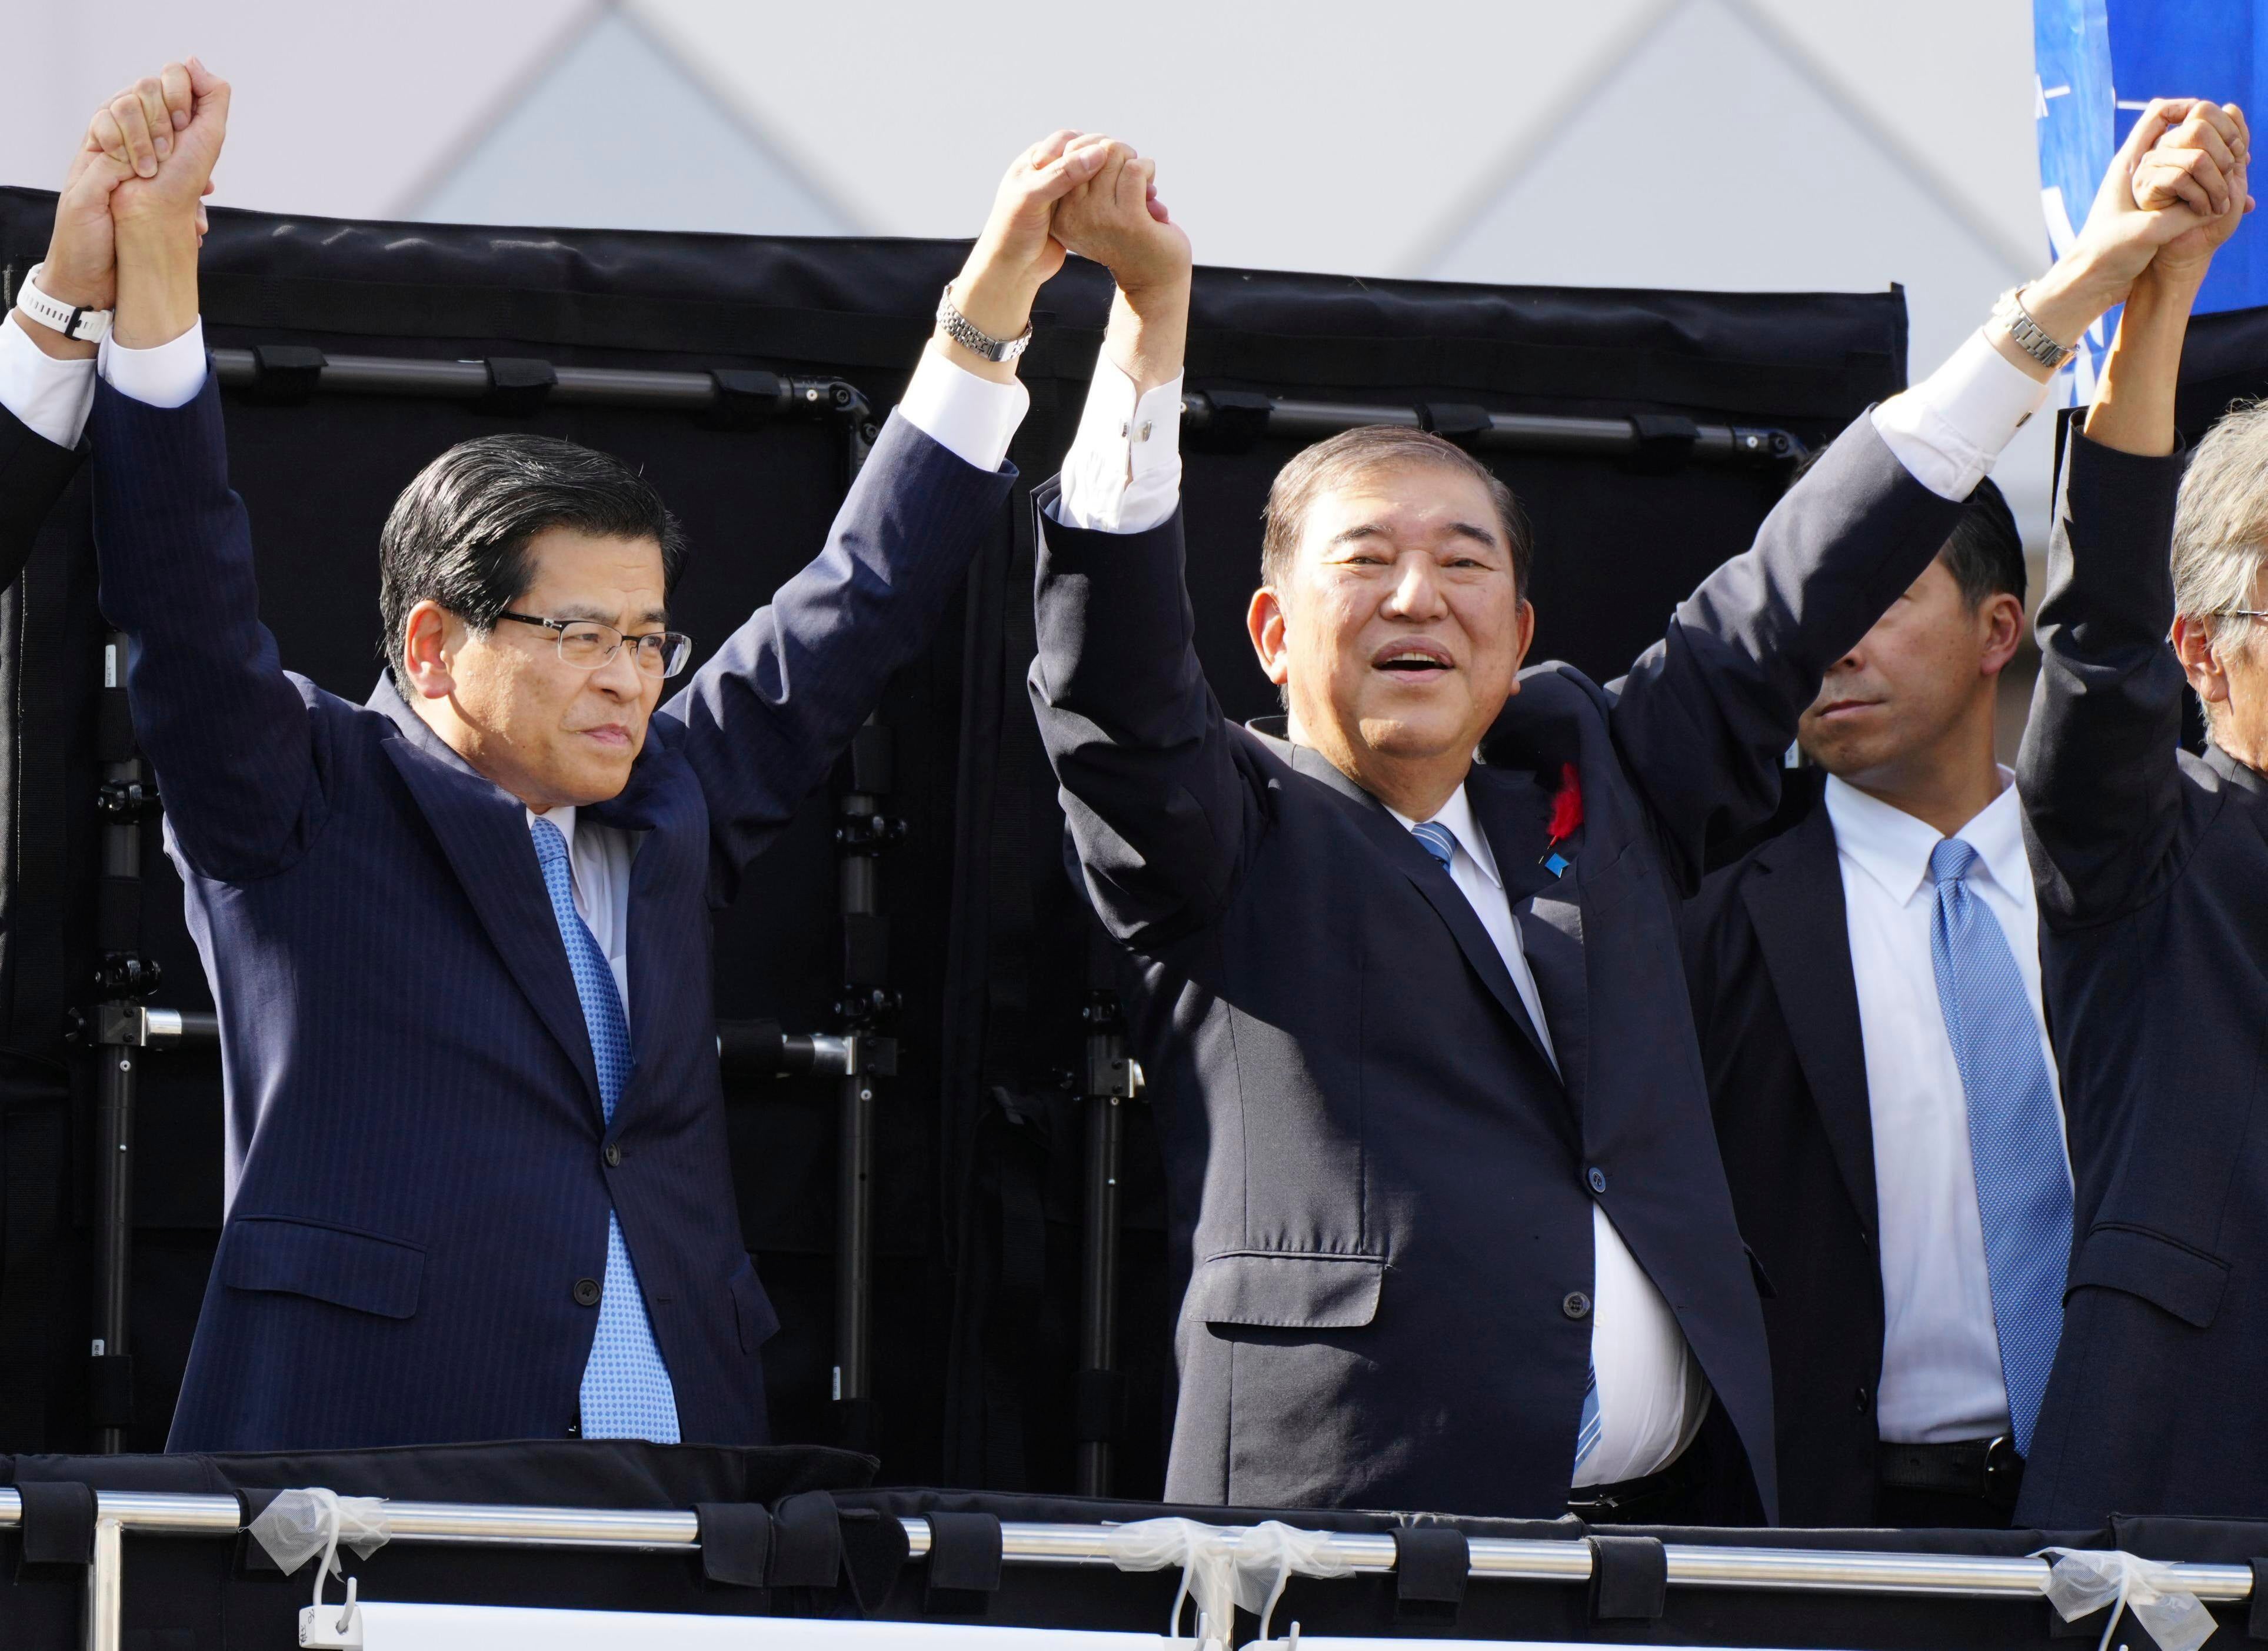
(224, 728)
(1158, 811)
(765, 718)
(62, 305)
(2099, 774)
(1705, 715)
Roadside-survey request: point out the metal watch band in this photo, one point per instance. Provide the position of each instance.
(2029, 335)
(963, 332)
(72, 321)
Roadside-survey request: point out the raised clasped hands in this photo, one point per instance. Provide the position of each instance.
(147, 156)
(2174, 190)
(2192, 170)
(1116, 218)
(1085, 192)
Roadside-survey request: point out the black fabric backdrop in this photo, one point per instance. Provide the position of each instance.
(978, 1159)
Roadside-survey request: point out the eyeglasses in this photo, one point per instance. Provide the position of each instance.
(586, 644)
(2242, 612)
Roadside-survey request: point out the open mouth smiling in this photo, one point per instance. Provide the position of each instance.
(1413, 659)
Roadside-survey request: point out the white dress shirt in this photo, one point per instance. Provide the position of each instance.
(1941, 1354)
(1652, 1396)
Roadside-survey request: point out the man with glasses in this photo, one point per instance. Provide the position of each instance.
(458, 937)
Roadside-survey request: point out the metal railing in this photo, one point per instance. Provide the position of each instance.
(1786, 1570)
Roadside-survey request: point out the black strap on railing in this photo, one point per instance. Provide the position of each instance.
(1430, 1565)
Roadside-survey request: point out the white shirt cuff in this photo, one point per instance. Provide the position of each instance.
(164, 375)
(1948, 429)
(48, 397)
(1123, 471)
(972, 418)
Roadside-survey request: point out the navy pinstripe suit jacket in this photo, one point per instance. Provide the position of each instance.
(414, 1125)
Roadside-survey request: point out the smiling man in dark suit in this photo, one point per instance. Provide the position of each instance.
(458, 937)
(1441, 1173)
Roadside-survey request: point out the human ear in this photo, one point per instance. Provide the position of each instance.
(2193, 645)
(1265, 621)
(1524, 635)
(2004, 630)
(427, 647)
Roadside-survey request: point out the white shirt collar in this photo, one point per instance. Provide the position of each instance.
(1457, 815)
(563, 816)
(1893, 847)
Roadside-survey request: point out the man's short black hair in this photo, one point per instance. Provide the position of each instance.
(1984, 553)
(459, 533)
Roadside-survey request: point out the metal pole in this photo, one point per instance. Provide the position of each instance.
(1112, 1081)
(124, 977)
(861, 833)
(105, 1586)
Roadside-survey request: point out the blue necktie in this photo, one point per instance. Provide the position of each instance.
(626, 1391)
(2015, 1147)
(1441, 844)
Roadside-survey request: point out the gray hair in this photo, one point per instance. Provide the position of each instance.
(2220, 527)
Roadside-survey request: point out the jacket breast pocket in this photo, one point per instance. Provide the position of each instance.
(751, 1308)
(2187, 1283)
(361, 1270)
(1267, 1289)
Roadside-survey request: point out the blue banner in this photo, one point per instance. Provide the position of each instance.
(2098, 63)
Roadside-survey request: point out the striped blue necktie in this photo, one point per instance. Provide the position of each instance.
(2015, 1146)
(1441, 844)
(626, 1389)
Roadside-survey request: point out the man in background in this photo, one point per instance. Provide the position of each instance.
(1828, 970)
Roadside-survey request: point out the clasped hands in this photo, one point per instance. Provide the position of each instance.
(134, 198)
(1078, 192)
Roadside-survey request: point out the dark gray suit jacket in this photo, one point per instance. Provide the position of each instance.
(1767, 961)
(1380, 1190)
(2152, 875)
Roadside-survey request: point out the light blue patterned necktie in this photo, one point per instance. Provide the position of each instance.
(2015, 1146)
(626, 1389)
(1441, 844)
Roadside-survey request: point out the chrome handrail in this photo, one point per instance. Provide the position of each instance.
(1790, 1570)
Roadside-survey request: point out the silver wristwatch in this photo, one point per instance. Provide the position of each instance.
(72, 321)
(965, 333)
(2030, 337)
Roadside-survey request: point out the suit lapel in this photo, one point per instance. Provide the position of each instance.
(483, 833)
(1796, 905)
(1409, 856)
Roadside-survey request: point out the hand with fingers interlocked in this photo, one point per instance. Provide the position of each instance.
(1017, 252)
(2196, 162)
(1116, 219)
(131, 136)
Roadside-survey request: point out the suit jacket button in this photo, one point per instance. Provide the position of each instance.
(1860, 1400)
(612, 1156)
(587, 1293)
(1597, 1178)
(1575, 1305)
